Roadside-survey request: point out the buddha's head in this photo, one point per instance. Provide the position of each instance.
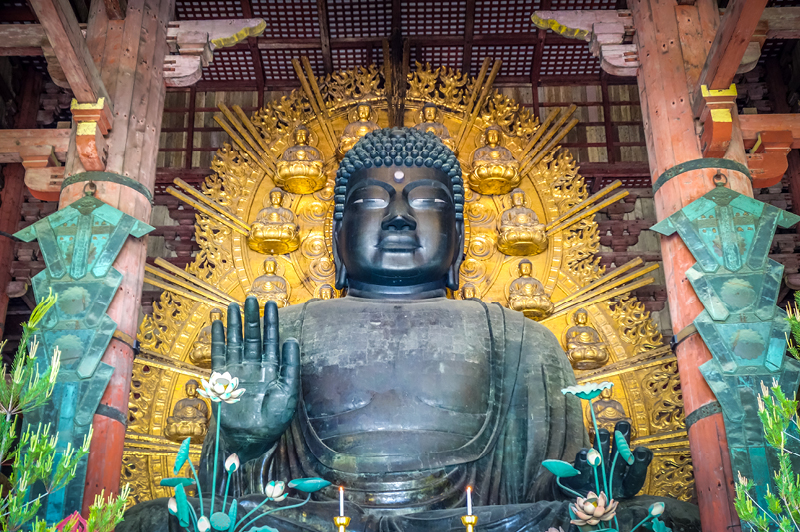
(276, 197)
(429, 112)
(326, 292)
(525, 268)
(191, 388)
(581, 317)
(270, 267)
(517, 197)
(469, 291)
(398, 219)
(364, 111)
(606, 393)
(301, 136)
(493, 137)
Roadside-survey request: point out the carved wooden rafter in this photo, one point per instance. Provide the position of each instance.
(41, 152)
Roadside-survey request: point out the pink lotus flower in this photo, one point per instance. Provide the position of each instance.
(592, 509)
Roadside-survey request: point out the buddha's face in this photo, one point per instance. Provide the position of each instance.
(606, 393)
(492, 137)
(398, 228)
(525, 269)
(275, 198)
(363, 112)
(430, 114)
(269, 267)
(518, 199)
(191, 389)
(300, 137)
(581, 318)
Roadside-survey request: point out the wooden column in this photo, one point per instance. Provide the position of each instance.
(129, 54)
(669, 124)
(13, 194)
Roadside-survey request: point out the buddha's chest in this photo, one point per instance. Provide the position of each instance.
(397, 366)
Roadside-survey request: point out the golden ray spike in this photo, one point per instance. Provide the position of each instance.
(211, 203)
(205, 210)
(599, 281)
(325, 114)
(549, 134)
(605, 287)
(580, 216)
(298, 69)
(254, 132)
(487, 87)
(156, 360)
(194, 279)
(550, 145)
(180, 291)
(538, 134)
(602, 297)
(184, 284)
(242, 144)
(474, 94)
(251, 142)
(585, 203)
(647, 359)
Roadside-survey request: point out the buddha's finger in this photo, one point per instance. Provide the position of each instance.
(269, 352)
(624, 428)
(217, 346)
(584, 481)
(252, 331)
(234, 352)
(637, 472)
(605, 447)
(290, 366)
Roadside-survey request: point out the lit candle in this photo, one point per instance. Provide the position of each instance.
(469, 500)
(341, 501)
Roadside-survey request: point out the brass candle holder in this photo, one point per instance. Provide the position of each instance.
(469, 522)
(341, 522)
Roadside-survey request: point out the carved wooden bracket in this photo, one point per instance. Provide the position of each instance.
(93, 123)
(41, 152)
(717, 120)
(767, 160)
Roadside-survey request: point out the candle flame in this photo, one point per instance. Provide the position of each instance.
(341, 488)
(469, 488)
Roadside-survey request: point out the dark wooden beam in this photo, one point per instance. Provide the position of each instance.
(69, 45)
(616, 170)
(611, 149)
(325, 35)
(187, 163)
(116, 9)
(734, 34)
(469, 34)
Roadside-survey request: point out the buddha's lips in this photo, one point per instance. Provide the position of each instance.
(398, 242)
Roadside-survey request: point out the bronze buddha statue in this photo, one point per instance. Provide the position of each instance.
(355, 130)
(300, 166)
(585, 349)
(521, 233)
(189, 418)
(394, 391)
(608, 413)
(275, 230)
(270, 286)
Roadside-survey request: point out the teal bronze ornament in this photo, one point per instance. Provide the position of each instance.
(729, 235)
(79, 245)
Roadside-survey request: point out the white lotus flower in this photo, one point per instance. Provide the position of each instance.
(232, 463)
(656, 509)
(221, 387)
(594, 458)
(274, 490)
(173, 506)
(203, 524)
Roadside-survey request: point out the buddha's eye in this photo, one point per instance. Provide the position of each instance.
(370, 197)
(425, 196)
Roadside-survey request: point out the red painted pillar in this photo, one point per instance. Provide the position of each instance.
(669, 125)
(13, 193)
(129, 54)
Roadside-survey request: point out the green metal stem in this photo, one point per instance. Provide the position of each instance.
(216, 462)
(271, 511)
(599, 450)
(225, 499)
(197, 483)
(643, 521)
(563, 487)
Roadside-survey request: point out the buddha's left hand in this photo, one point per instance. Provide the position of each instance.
(627, 479)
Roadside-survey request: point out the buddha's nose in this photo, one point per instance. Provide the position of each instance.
(398, 218)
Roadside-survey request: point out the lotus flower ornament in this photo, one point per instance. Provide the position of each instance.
(592, 509)
(221, 387)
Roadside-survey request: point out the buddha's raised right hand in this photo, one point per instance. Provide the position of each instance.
(272, 387)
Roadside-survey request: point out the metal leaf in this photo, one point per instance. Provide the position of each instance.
(622, 447)
(560, 468)
(309, 485)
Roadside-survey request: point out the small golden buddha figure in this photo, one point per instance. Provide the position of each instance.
(200, 354)
(326, 292)
(300, 166)
(355, 130)
(430, 123)
(527, 294)
(494, 168)
(521, 233)
(585, 349)
(189, 418)
(275, 230)
(270, 286)
(468, 291)
(608, 412)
